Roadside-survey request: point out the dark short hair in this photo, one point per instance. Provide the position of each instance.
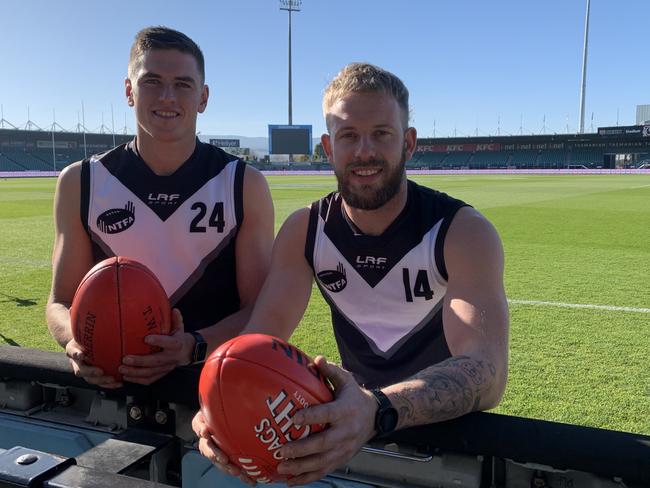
(161, 37)
(366, 78)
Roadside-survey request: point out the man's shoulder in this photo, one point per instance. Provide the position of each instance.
(294, 229)
(70, 177)
(470, 217)
(472, 235)
(68, 186)
(430, 207)
(71, 171)
(299, 217)
(326, 204)
(432, 194)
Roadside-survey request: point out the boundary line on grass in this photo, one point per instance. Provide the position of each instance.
(610, 308)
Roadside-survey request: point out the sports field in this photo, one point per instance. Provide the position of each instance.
(577, 276)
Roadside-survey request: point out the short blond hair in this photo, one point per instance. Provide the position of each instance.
(366, 78)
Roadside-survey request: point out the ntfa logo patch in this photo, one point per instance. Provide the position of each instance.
(116, 219)
(334, 280)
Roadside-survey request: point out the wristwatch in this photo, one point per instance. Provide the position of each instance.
(200, 348)
(386, 416)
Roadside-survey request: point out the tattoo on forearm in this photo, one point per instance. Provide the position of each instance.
(445, 391)
(406, 409)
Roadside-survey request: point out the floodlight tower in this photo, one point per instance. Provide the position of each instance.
(4, 121)
(290, 6)
(584, 72)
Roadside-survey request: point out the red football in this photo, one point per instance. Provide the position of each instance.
(249, 390)
(116, 305)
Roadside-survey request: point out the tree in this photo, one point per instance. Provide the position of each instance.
(319, 153)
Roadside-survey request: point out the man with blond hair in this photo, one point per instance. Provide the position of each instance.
(413, 278)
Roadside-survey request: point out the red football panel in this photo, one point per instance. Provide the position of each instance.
(93, 314)
(210, 397)
(283, 358)
(255, 405)
(144, 307)
(106, 301)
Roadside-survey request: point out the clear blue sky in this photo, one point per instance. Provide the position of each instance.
(467, 63)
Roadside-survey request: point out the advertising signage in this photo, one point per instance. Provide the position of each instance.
(459, 147)
(629, 130)
(225, 142)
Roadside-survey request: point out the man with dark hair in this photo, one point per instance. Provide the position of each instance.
(413, 278)
(201, 220)
(163, 38)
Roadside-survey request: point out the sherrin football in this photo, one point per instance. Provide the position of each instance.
(249, 390)
(117, 304)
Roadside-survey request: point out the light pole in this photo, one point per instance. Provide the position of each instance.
(290, 6)
(583, 86)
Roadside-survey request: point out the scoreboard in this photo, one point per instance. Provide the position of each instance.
(290, 139)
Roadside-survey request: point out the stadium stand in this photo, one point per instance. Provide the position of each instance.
(523, 159)
(610, 147)
(554, 158)
(425, 159)
(7, 164)
(587, 156)
(23, 150)
(489, 160)
(456, 159)
(27, 159)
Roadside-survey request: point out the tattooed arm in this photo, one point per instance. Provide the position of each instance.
(445, 391)
(475, 318)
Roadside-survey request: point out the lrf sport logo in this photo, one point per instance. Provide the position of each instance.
(117, 220)
(163, 199)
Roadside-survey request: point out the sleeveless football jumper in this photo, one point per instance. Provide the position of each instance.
(182, 226)
(385, 292)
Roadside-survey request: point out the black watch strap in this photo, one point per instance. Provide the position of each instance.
(200, 348)
(386, 416)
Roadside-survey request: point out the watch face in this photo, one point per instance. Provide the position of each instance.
(387, 420)
(200, 350)
(386, 417)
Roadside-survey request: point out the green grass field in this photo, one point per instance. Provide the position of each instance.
(570, 240)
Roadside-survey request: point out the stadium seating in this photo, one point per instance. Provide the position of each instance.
(489, 159)
(26, 160)
(38, 159)
(26, 150)
(426, 159)
(587, 157)
(23, 150)
(414, 162)
(523, 159)
(552, 158)
(7, 164)
(455, 159)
